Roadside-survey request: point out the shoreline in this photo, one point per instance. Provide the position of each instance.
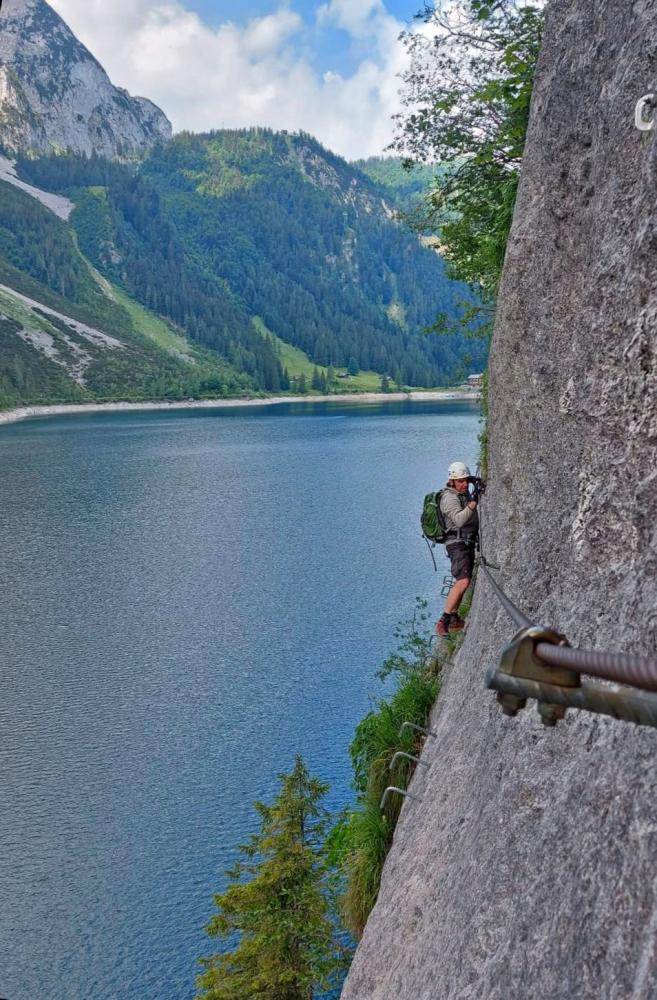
(60, 409)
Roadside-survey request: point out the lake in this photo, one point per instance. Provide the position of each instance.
(187, 600)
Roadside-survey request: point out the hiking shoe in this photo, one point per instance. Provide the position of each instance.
(442, 629)
(456, 625)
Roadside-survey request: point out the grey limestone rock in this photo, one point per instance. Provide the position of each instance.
(55, 96)
(529, 869)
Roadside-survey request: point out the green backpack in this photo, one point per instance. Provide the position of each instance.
(432, 519)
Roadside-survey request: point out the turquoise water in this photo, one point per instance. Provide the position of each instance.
(187, 601)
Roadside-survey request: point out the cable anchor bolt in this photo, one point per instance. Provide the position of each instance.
(644, 113)
(519, 660)
(397, 791)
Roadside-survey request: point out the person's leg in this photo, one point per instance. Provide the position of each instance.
(455, 595)
(461, 557)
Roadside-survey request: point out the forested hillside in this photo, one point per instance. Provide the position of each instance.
(404, 186)
(308, 243)
(66, 336)
(216, 229)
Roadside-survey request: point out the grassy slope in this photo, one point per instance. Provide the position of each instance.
(298, 363)
(151, 326)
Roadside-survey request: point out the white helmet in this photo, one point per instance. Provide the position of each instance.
(458, 470)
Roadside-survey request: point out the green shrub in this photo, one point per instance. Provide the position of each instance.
(361, 840)
(366, 841)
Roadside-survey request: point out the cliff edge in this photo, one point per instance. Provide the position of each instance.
(529, 868)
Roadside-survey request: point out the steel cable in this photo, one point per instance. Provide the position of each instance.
(623, 668)
(513, 612)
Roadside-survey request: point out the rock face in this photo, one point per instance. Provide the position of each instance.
(55, 96)
(529, 868)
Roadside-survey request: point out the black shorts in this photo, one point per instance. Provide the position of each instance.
(461, 555)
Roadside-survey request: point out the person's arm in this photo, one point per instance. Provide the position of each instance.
(454, 513)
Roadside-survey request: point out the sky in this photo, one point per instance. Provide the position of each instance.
(331, 68)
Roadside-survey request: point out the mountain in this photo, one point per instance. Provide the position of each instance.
(274, 227)
(54, 96)
(312, 245)
(229, 263)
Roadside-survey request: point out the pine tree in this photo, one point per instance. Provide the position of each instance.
(278, 903)
(301, 384)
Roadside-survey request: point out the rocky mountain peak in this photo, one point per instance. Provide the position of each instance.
(55, 96)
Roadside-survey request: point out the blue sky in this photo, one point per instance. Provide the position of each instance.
(331, 48)
(220, 10)
(331, 68)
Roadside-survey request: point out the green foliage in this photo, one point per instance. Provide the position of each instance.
(377, 735)
(34, 240)
(39, 257)
(278, 903)
(468, 93)
(483, 434)
(360, 841)
(151, 326)
(414, 650)
(213, 230)
(405, 186)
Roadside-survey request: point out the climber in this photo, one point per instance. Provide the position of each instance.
(459, 511)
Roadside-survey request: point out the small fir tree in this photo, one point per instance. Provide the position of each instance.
(278, 903)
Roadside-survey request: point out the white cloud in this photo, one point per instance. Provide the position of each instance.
(355, 16)
(233, 75)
